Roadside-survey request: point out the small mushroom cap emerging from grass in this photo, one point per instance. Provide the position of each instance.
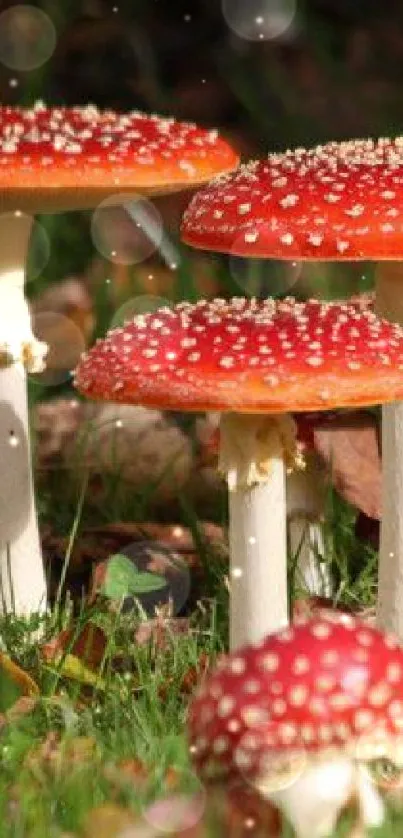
(300, 715)
(339, 201)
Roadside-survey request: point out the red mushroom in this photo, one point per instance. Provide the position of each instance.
(339, 201)
(255, 361)
(301, 715)
(54, 159)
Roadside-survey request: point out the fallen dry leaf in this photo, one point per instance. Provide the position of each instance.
(171, 536)
(88, 645)
(348, 443)
(14, 684)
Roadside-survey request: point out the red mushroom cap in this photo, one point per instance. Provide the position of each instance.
(327, 685)
(84, 150)
(243, 355)
(340, 201)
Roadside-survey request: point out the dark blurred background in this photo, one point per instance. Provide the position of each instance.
(270, 73)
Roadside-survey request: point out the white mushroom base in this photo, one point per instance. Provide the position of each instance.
(22, 578)
(314, 801)
(254, 453)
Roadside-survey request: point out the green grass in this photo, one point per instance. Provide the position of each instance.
(138, 711)
(139, 714)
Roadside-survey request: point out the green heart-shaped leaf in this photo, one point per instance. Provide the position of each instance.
(122, 579)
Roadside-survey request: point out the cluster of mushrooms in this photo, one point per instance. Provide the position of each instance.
(297, 711)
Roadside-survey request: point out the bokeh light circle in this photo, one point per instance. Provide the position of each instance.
(279, 769)
(141, 304)
(66, 343)
(183, 805)
(154, 557)
(126, 229)
(259, 20)
(264, 277)
(38, 253)
(27, 37)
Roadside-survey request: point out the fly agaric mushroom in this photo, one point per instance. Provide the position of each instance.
(339, 201)
(305, 500)
(301, 716)
(255, 362)
(51, 160)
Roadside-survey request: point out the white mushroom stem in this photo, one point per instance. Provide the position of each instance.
(22, 578)
(314, 801)
(306, 498)
(389, 304)
(254, 450)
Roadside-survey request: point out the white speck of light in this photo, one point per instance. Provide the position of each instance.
(118, 423)
(252, 539)
(237, 572)
(13, 440)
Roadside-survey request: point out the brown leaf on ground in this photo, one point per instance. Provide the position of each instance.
(88, 645)
(24, 681)
(172, 536)
(86, 550)
(98, 543)
(348, 443)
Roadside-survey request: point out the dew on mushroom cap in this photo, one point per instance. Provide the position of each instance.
(342, 701)
(247, 355)
(340, 201)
